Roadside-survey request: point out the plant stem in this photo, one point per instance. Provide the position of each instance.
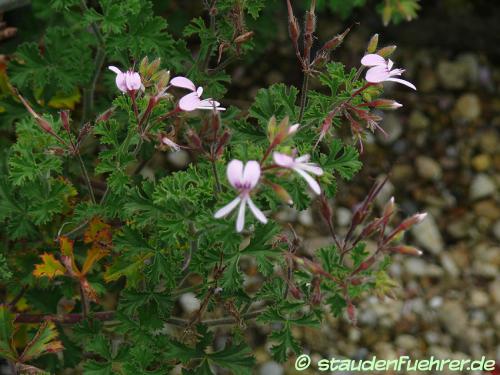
(88, 94)
(111, 315)
(218, 186)
(85, 303)
(86, 177)
(303, 96)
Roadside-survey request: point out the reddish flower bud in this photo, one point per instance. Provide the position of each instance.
(335, 41)
(293, 24)
(105, 116)
(194, 139)
(407, 250)
(281, 193)
(244, 37)
(316, 291)
(222, 142)
(64, 115)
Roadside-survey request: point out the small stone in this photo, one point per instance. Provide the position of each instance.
(482, 186)
(468, 107)
(407, 342)
(418, 267)
(189, 302)
(488, 141)
(494, 289)
(392, 126)
(479, 298)
(481, 162)
(418, 120)
(449, 265)
(178, 159)
(496, 230)
(428, 168)
(305, 218)
(343, 216)
(271, 368)
(452, 75)
(487, 209)
(427, 235)
(453, 316)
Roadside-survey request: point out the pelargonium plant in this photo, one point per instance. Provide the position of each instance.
(101, 241)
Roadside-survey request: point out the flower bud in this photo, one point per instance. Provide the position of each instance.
(310, 23)
(64, 115)
(386, 51)
(316, 291)
(105, 115)
(407, 250)
(372, 44)
(194, 139)
(388, 209)
(222, 142)
(244, 37)
(335, 41)
(293, 24)
(387, 104)
(281, 193)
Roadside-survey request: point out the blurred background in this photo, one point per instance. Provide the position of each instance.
(442, 155)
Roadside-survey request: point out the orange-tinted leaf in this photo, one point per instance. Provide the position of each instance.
(94, 254)
(50, 267)
(96, 225)
(44, 342)
(68, 258)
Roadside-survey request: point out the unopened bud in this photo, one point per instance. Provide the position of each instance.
(194, 139)
(162, 78)
(271, 128)
(105, 115)
(386, 51)
(294, 290)
(384, 104)
(310, 23)
(64, 115)
(357, 281)
(372, 44)
(293, 24)
(389, 209)
(153, 67)
(222, 142)
(215, 122)
(282, 193)
(244, 37)
(336, 41)
(293, 129)
(407, 250)
(411, 221)
(143, 66)
(316, 291)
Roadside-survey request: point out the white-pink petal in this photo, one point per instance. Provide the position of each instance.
(403, 82)
(312, 168)
(283, 160)
(310, 180)
(377, 74)
(240, 221)
(251, 173)
(183, 82)
(373, 59)
(235, 172)
(114, 69)
(256, 211)
(224, 211)
(189, 102)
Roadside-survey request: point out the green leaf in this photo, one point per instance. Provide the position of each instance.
(342, 159)
(44, 342)
(278, 100)
(237, 358)
(7, 347)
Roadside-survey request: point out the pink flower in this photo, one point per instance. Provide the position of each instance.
(243, 179)
(301, 166)
(128, 81)
(193, 101)
(381, 70)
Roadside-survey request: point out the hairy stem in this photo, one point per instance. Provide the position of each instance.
(303, 96)
(86, 177)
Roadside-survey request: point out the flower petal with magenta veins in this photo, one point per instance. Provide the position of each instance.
(251, 174)
(377, 74)
(235, 172)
